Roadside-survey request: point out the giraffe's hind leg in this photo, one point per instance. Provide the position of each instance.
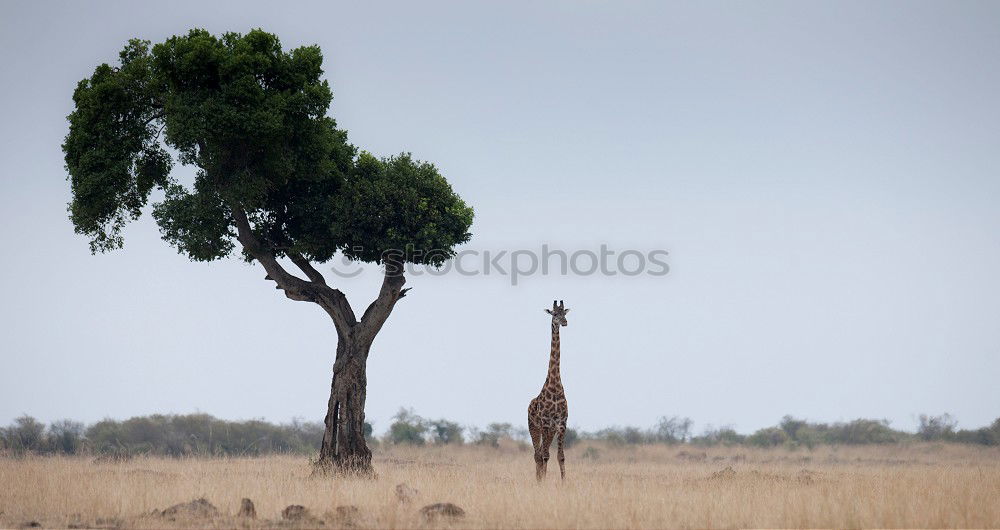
(561, 455)
(536, 441)
(535, 431)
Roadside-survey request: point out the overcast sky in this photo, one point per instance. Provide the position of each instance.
(825, 176)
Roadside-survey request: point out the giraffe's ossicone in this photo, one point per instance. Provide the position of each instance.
(547, 413)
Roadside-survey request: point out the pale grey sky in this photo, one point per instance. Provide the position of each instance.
(825, 176)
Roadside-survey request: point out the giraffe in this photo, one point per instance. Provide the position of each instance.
(548, 412)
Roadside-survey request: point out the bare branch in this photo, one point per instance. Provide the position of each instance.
(306, 267)
(390, 293)
(154, 117)
(263, 254)
(331, 300)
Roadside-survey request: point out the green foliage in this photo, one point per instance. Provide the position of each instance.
(251, 118)
(204, 435)
(722, 436)
(985, 435)
(768, 437)
(618, 435)
(407, 428)
(672, 430)
(494, 433)
(571, 438)
(170, 435)
(25, 435)
(791, 426)
(445, 432)
(809, 436)
(197, 223)
(201, 434)
(111, 151)
(790, 432)
(862, 431)
(65, 436)
(668, 430)
(936, 427)
(106, 437)
(795, 433)
(401, 205)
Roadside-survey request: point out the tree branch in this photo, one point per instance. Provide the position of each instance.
(334, 298)
(331, 300)
(390, 293)
(263, 254)
(154, 117)
(306, 267)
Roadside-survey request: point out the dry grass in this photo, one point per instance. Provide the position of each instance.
(653, 487)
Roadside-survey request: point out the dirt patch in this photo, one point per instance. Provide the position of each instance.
(347, 516)
(247, 509)
(113, 458)
(807, 476)
(405, 494)
(726, 473)
(197, 509)
(298, 513)
(445, 510)
(691, 456)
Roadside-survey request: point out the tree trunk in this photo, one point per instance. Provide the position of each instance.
(344, 449)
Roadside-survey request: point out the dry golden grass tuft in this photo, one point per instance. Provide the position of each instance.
(916, 486)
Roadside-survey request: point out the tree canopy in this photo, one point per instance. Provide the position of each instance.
(252, 119)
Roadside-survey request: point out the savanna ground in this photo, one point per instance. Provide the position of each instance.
(918, 485)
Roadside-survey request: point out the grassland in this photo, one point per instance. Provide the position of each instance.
(913, 486)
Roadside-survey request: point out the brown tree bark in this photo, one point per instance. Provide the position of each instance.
(344, 449)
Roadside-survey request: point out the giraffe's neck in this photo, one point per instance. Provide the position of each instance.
(553, 379)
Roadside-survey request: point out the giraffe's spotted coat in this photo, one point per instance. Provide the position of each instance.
(547, 413)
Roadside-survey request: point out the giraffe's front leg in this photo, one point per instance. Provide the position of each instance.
(547, 436)
(536, 442)
(561, 455)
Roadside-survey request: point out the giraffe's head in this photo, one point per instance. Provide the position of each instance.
(558, 313)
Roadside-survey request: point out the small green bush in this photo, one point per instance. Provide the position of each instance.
(408, 428)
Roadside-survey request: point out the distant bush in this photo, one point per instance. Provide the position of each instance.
(26, 435)
(985, 435)
(571, 438)
(30, 432)
(65, 436)
(619, 435)
(672, 430)
(171, 435)
(768, 437)
(792, 426)
(793, 433)
(407, 428)
(494, 433)
(862, 431)
(668, 430)
(722, 436)
(446, 432)
(936, 427)
(204, 435)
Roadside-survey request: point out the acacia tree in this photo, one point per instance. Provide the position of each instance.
(274, 175)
